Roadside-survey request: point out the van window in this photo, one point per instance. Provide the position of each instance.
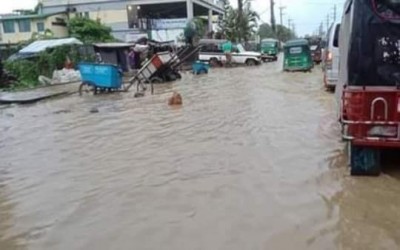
(336, 36)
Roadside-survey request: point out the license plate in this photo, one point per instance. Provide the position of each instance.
(383, 131)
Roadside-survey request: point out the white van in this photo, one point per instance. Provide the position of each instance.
(331, 57)
(211, 51)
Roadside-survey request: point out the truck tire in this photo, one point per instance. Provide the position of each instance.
(364, 161)
(251, 62)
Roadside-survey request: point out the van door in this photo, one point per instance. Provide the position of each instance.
(335, 53)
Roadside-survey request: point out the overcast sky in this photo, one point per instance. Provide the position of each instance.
(307, 14)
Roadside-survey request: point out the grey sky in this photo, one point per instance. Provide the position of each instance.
(307, 14)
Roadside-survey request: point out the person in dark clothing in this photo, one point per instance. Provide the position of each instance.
(131, 58)
(1, 67)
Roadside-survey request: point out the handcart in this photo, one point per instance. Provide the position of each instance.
(162, 67)
(100, 78)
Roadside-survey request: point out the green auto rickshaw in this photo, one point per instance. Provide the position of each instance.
(269, 49)
(297, 56)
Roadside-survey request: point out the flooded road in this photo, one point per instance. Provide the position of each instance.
(252, 160)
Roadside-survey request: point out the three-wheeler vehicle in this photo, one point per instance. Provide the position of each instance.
(297, 56)
(368, 90)
(161, 67)
(269, 49)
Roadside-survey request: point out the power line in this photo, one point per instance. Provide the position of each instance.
(272, 3)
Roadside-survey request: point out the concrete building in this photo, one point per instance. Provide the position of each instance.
(129, 18)
(15, 27)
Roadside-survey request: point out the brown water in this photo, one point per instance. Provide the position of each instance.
(252, 160)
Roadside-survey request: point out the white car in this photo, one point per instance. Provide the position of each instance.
(331, 57)
(211, 51)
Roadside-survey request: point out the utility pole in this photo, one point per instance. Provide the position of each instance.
(294, 29)
(281, 8)
(334, 13)
(272, 3)
(327, 22)
(240, 18)
(281, 13)
(321, 29)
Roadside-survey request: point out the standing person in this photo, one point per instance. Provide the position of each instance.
(99, 59)
(131, 59)
(1, 67)
(189, 33)
(140, 52)
(227, 49)
(68, 63)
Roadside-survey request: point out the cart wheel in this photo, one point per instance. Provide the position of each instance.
(364, 161)
(178, 75)
(214, 62)
(156, 80)
(86, 88)
(172, 77)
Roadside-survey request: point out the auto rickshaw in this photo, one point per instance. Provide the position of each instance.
(316, 53)
(368, 91)
(297, 56)
(269, 49)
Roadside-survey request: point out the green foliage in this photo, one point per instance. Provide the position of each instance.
(48, 34)
(265, 31)
(28, 70)
(89, 31)
(236, 28)
(195, 28)
(282, 34)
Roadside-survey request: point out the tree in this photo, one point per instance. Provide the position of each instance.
(240, 17)
(89, 31)
(239, 29)
(194, 29)
(284, 34)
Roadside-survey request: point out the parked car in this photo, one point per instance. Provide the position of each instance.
(331, 57)
(211, 51)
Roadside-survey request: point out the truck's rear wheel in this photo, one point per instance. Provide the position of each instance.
(364, 161)
(214, 62)
(251, 62)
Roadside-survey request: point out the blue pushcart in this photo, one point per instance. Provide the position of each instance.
(200, 67)
(100, 78)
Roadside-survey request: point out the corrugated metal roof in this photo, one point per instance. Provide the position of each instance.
(42, 45)
(114, 45)
(6, 17)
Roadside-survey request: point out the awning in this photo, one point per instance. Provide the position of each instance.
(42, 45)
(113, 45)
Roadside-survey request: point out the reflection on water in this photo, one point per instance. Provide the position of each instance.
(6, 217)
(252, 160)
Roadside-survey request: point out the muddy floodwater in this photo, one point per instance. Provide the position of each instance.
(252, 161)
